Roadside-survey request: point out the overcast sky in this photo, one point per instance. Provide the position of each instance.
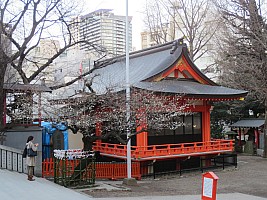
(119, 8)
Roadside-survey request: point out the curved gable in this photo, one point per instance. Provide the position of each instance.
(183, 68)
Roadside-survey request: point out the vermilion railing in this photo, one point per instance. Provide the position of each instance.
(146, 152)
(104, 170)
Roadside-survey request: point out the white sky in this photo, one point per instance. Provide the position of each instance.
(135, 8)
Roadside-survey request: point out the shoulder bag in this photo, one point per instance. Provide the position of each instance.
(31, 153)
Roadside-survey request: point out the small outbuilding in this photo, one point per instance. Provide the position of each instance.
(250, 135)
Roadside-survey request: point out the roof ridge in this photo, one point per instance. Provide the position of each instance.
(173, 45)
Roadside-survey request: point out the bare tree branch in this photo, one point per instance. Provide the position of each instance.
(192, 19)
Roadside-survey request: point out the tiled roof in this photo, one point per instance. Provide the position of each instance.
(26, 87)
(249, 123)
(149, 63)
(190, 89)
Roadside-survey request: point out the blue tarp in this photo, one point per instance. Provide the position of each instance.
(48, 129)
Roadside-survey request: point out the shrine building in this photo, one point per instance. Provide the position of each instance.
(167, 68)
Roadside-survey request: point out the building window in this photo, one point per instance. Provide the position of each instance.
(197, 128)
(179, 130)
(188, 124)
(182, 125)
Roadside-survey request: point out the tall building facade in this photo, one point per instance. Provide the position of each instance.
(40, 55)
(103, 30)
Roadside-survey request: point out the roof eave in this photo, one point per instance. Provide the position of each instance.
(26, 87)
(217, 97)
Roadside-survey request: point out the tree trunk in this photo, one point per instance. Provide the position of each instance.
(88, 143)
(2, 95)
(1, 105)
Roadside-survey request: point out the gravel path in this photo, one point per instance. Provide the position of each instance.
(250, 177)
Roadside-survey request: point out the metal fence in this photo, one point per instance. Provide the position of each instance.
(218, 161)
(11, 159)
(76, 172)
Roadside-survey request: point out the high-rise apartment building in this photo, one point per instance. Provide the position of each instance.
(40, 55)
(103, 30)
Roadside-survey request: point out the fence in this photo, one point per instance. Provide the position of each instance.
(218, 161)
(11, 159)
(104, 170)
(79, 171)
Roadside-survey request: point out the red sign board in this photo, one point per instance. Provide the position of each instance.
(209, 186)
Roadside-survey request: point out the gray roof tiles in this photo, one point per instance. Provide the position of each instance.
(152, 62)
(141, 68)
(190, 88)
(249, 123)
(26, 87)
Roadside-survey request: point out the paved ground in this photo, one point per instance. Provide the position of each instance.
(249, 178)
(235, 196)
(248, 182)
(15, 186)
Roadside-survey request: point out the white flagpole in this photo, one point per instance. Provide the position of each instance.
(128, 96)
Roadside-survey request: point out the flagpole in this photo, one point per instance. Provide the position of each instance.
(128, 96)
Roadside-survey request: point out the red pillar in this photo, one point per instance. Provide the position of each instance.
(141, 138)
(206, 123)
(256, 132)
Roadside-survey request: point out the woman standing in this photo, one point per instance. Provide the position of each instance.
(31, 160)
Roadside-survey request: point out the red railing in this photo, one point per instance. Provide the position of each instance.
(171, 150)
(104, 170)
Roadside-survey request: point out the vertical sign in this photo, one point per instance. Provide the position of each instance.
(209, 186)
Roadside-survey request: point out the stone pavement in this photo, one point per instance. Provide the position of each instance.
(235, 196)
(15, 186)
(109, 186)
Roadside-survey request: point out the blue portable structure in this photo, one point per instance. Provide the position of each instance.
(48, 130)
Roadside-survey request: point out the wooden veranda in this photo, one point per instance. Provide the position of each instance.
(166, 150)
